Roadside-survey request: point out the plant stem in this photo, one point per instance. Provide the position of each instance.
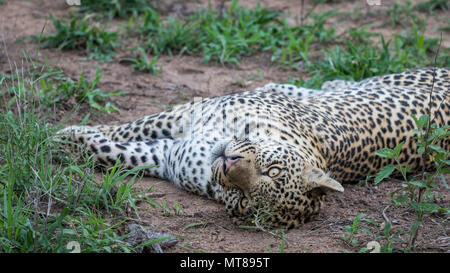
(425, 155)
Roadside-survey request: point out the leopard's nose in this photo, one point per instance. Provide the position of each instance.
(229, 161)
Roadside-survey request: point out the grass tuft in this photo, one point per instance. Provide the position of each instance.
(78, 34)
(50, 201)
(115, 8)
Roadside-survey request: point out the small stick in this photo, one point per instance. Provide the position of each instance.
(386, 219)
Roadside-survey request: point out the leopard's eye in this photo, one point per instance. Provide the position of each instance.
(274, 171)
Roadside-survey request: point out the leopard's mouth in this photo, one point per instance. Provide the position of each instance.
(225, 162)
(222, 163)
(229, 161)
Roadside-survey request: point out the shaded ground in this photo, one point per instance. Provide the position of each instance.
(183, 78)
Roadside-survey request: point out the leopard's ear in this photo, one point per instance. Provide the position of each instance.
(317, 178)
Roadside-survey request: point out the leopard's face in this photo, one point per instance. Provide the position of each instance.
(275, 176)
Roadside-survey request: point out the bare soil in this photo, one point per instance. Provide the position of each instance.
(182, 79)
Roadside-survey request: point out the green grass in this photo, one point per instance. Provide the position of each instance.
(54, 88)
(142, 63)
(115, 8)
(169, 36)
(351, 231)
(81, 34)
(403, 15)
(367, 235)
(419, 191)
(360, 35)
(445, 28)
(218, 37)
(290, 45)
(229, 36)
(43, 203)
(233, 34)
(48, 198)
(57, 87)
(356, 61)
(431, 5)
(47, 205)
(238, 32)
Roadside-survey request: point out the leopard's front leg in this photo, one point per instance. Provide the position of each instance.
(184, 162)
(129, 154)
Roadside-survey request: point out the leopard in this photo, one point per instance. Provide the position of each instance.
(278, 148)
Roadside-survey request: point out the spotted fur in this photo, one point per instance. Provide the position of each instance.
(279, 146)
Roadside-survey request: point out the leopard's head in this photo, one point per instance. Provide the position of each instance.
(276, 177)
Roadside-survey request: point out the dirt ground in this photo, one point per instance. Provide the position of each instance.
(182, 79)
